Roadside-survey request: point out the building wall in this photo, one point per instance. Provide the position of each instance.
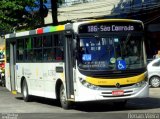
(92, 8)
(145, 10)
(78, 9)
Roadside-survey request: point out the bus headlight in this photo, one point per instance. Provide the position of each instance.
(88, 85)
(140, 84)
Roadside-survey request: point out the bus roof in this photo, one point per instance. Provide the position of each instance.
(42, 30)
(49, 29)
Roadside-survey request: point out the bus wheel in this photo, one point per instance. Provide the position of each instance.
(26, 96)
(63, 99)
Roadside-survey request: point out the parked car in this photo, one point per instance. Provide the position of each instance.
(149, 60)
(153, 69)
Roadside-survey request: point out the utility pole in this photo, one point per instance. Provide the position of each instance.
(41, 12)
(54, 8)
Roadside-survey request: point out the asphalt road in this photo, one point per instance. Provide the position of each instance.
(13, 107)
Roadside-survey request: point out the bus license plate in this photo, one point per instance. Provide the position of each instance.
(118, 92)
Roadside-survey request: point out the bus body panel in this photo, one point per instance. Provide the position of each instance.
(7, 77)
(41, 78)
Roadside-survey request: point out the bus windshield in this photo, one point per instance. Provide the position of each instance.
(111, 52)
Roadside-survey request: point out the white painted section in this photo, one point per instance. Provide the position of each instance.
(22, 33)
(7, 76)
(7, 36)
(83, 93)
(41, 78)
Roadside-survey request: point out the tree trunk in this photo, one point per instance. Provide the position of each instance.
(54, 8)
(41, 11)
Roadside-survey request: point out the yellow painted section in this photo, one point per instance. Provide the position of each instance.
(112, 20)
(111, 82)
(60, 28)
(14, 92)
(62, 76)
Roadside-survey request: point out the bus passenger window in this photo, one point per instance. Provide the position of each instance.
(48, 54)
(30, 55)
(47, 41)
(20, 54)
(20, 49)
(28, 43)
(59, 53)
(38, 54)
(37, 42)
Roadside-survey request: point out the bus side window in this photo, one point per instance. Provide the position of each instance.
(37, 42)
(28, 43)
(29, 53)
(8, 50)
(37, 48)
(47, 41)
(20, 49)
(48, 52)
(59, 53)
(58, 42)
(38, 54)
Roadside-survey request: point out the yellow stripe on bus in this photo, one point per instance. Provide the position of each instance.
(113, 20)
(111, 82)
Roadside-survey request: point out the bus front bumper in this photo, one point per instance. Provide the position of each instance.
(86, 94)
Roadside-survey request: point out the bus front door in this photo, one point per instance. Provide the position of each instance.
(69, 67)
(12, 67)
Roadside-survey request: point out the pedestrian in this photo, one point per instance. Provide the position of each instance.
(158, 54)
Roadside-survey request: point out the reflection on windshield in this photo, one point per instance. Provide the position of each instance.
(111, 53)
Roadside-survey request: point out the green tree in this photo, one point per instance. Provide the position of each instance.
(13, 14)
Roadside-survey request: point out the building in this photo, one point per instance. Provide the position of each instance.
(78, 9)
(145, 10)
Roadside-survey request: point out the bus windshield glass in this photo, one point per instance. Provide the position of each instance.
(111, 52)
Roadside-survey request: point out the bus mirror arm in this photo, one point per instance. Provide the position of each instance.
(74, 44)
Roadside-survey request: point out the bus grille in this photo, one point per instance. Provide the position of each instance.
(109, 94)
(113, 86)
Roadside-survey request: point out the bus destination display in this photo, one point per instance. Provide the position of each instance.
(108, 27)
(95, 28)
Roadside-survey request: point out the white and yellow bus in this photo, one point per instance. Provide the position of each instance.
(95, 60)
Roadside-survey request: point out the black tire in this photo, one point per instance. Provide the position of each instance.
(3, 83)
(26, 96)
(65, 104)
(155, 81)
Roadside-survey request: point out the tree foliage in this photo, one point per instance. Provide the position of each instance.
(17, 13)
(21, 14)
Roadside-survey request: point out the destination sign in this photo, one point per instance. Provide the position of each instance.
(110, 27)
